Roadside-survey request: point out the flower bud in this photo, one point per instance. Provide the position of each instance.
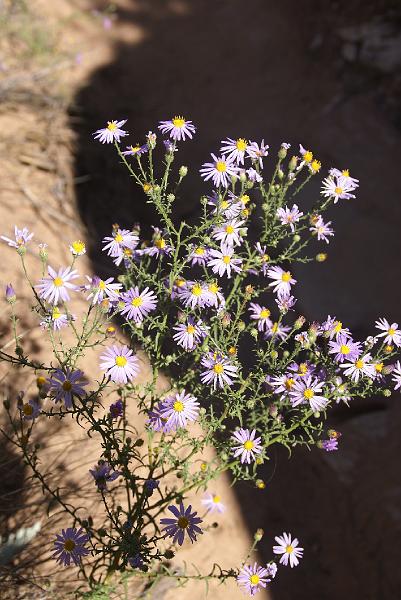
(183, 171)
(10, 294)
(169, 554)
(273, 410)
(259, 533)
(260, 484)
(299, 322)
(296, 238)
(170, 198)
(292, 165)
(321, 257)
(387, 393)
(241, 325)
(203, 467)
(274, 354)
(316, 414)
(43, 254)
(21, 250)
(282, 153)
(280, 174)
(254, 333)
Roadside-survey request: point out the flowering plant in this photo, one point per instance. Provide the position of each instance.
(212, 304)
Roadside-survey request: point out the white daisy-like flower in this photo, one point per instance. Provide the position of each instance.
(338, 188)
(111, 133)
(282, 280)
(213, 503)
(359, 368)
(178, 128)
(234, 149)
(230, 232)
(289, 549)
(219, 171)
(223, 261)
(391, 333)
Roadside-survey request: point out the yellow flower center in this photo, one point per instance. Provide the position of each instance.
(264, 313)
(289, 549)
(119, 238)
(379, 367)
(218, 368)
(338, 191)
(78, 246)
(274, 327)
(213, 288)
(102, 285)
(134, 148)
(265, 258)
(27, 409)
(248, 445)
(338, 326)
(316, 165)
(137, 301)
(345, 172)
(127, 252)
(289, 383)
(200, 251)
(69, 545)
(196, 289)
(308, 156)
(178, 406)
(286, 276)
(56, 314)
(182, 522)
(241, 144)
(224, 204)
(147, 187)
(254, 579)
(229, 229)
(359, 364)
(190, 329)
(160, 243)
(58, 282)
(121, 361)
(67, 385)
(111, 125)
(179, 282)
(232, 350)
(303, 369)
(245, 198)
(345, 349)
(388, 348)
(226, 260)
(221, 166)
(216, 499)
(178, 122)
(308, 393)
(40, 381)
(391, 331)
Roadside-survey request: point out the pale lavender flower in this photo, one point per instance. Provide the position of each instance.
(264, 257)
(102, 288)
(337, 188)
(30, 410)
(11, 296)
(391, 333)
(178, 410)
(55, 287)
(234, 150)
(184, 522)
(190, 334)
(214, 298)
(219, 171)
(329, 445)
(199, 256)
(359, 368)
(344, 348)
(137, 305)
(257, 151)
(285, 303)
(213, 503)
(56, 320)
(70, 546)
(170, 146)
(77, 248)
(64, 385)
(282, 384)
(289, 549)
(282, 281)
(322, 229)
(308, 390)
(119, 363)
(178, 128)
(220, 371)
(396, 375)
(136, 150)
(271, 567)
(228, 207)
(277, 330)
(160, 247)
(260, 314)
(289, 216)
(334, 328)
(251, 579)
(253, 175)
(103, 474)
(351, 181)
(22, 237)
(307, 156)
(223, 261)
(156, 422)
(111, 133)
(303, 369)
(248, 446)
(120, 240)
(229, 233)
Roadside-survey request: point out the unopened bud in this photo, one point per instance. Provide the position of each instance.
(10, 294)
(43, 254)
(321, 257)
(299, 322)
(387, 393)
(282, 153)
(170, 198)
(183, 171)
(260, 484)
(280, 174)
(292, 165)
(259, 533)
(296, 238)
(169, 554)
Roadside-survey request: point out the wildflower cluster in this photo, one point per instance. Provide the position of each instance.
(213, 306)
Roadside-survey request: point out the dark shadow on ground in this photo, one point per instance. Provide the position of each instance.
(274, 70)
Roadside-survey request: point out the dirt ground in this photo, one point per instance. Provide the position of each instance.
(283, 71)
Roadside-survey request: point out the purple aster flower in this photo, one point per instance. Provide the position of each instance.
(199, 256)
(219, 171)
(178, 128)
(151, 485)
(213, 503)
(156, 421)
(344, 348)
(70, 546)
(116, 409)
(11, 296)
(170, 146)
(234, 150)
(257, 151)
(120, 240)
(329, 445)
(64, 385)
(30, 410)
(229, 233)
(190, 334)
(179, 409)
(282, 281)
(247, 445)
(396, 375)
(351, 181)
(322, 229)
(289, 216)
(308, 390)
(137, 305)
(264, 257)
(271, 567)
(223, 261)
(56, 320)
(55, 287)
(220, 371)
(99, 289)
(111, 133)
(282, 384)
(102, 474)
(214, 297)
(260, 314)
(277, 331)
(184, 522)
(289, 549)
(359, 368)
(120, 364)
(193, 294)
(253, 578)
(285, 303)
(304, 369)
(22, 237)
(136, 150)
(391, 333)
(160, 246)
(228, 207)
(253, 175)
(334, 328)
(337, 188)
